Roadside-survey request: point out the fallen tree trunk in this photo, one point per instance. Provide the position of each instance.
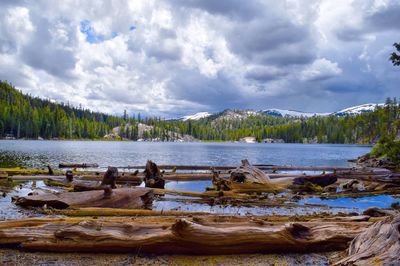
(378, 245)
(81, 212)
(320, 180)
(78, 165)
(181, 236)
(259, 166)
(133, 198)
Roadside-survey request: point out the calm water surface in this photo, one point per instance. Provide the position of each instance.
(40, 153)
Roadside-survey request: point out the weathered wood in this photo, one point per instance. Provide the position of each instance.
(81, 212)
(320, 180)
(260, 166)
(378, 245)
(180, 236)
(247, 173)
(120, 198)
(110, 177)
(152, 176)
(78, 165)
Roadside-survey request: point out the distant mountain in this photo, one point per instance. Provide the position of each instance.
(359, 109)
(240, 114)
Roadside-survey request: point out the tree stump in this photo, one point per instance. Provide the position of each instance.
(110, 177)
(152, 176)
(247, 173)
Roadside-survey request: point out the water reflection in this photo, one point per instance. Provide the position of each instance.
(41, 153)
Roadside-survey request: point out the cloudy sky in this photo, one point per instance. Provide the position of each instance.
(177, 57)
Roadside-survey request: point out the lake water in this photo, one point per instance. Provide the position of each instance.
(40, 153)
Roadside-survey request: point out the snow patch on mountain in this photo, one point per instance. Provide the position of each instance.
(291, 113)
(359, 109)
(196, 116)
(241, 114)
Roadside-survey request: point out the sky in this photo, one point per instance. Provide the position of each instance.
(177, 57)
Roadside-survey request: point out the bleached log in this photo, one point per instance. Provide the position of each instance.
(181, 236)
(378, 245)
(134, 198)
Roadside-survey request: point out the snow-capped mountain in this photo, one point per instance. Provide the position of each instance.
(241, 114)
(359, 109)
(291, 113)
(229, 114)
(196, 116)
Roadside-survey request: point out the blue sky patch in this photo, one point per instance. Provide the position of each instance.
(91, 36)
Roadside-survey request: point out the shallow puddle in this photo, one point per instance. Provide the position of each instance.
(380, 201)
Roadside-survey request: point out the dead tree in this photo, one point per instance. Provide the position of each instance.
(152, 176)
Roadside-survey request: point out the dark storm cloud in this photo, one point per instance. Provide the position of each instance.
(351, 35)
(215, 92)
(7, 46)
(386, 18)
(233, 8)
(376, 21)
(264, 74)
(43, 51)
(273, 41)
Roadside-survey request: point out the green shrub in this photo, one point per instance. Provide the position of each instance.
(387, 147)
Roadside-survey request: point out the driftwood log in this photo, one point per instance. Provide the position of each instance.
(378, 245)
(247, 179)
(195, 236)
(133, 198)
(320, 180)
(152, 176)
(78, 165)
(247, 173)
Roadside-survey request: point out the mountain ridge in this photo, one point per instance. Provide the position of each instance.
(241, 113)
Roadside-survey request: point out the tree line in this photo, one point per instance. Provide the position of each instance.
(23, 116)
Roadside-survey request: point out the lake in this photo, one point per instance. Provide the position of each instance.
(40, 153)
(35, 153)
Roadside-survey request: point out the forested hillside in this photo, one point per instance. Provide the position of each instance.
(362, 128)
(23, 116)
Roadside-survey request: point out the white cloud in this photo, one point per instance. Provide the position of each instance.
(320, 69)
(175, 57)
